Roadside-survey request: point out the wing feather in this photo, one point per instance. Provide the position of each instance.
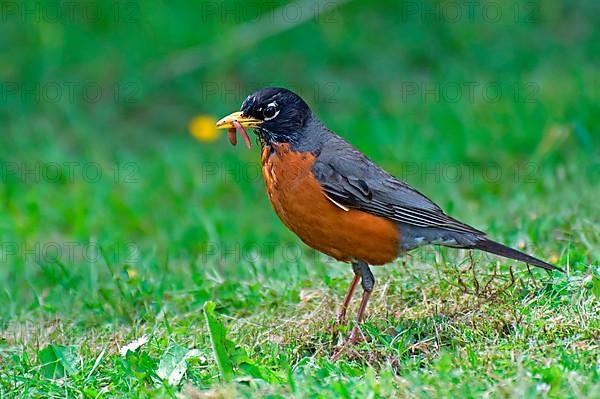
(351, 180)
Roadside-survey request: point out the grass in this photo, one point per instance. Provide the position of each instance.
(116, 224)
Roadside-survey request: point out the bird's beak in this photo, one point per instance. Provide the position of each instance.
(245, 121)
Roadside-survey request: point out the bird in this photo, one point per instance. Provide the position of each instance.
(339, 202)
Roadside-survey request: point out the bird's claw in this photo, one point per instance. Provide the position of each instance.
(356, 337)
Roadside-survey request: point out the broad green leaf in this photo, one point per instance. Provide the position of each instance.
(173, 364)
(58, 361)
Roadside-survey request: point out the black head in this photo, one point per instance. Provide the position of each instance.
(281, 113)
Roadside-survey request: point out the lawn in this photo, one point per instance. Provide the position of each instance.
(139, 261)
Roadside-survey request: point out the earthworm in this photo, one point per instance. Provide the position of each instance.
(232, 134)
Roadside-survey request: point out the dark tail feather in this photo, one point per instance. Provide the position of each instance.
(507, 252)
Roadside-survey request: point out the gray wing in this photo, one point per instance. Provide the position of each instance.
(350, 179)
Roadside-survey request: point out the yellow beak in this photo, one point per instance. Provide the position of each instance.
(245, 121)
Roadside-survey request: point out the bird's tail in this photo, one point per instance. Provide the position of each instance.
(487, 245)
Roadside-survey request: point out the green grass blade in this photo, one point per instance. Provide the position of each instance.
(218, 339)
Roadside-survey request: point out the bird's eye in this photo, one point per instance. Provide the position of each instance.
(270, 111)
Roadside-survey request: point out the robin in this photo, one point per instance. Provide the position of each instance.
(340, 202)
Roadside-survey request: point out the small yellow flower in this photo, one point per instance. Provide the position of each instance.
(554, 258)
(131, 273)
(203, 128)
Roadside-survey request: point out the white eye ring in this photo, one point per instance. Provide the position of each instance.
(273, 105)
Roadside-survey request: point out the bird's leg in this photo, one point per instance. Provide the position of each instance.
(368, 282)
(342, 314)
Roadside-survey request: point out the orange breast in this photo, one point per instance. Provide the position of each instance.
(299, 201)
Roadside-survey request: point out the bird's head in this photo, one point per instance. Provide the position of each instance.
(276, 115)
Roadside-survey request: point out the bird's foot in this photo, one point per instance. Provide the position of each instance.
(356, 336)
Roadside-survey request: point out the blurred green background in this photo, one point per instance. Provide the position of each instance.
(110, 88)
